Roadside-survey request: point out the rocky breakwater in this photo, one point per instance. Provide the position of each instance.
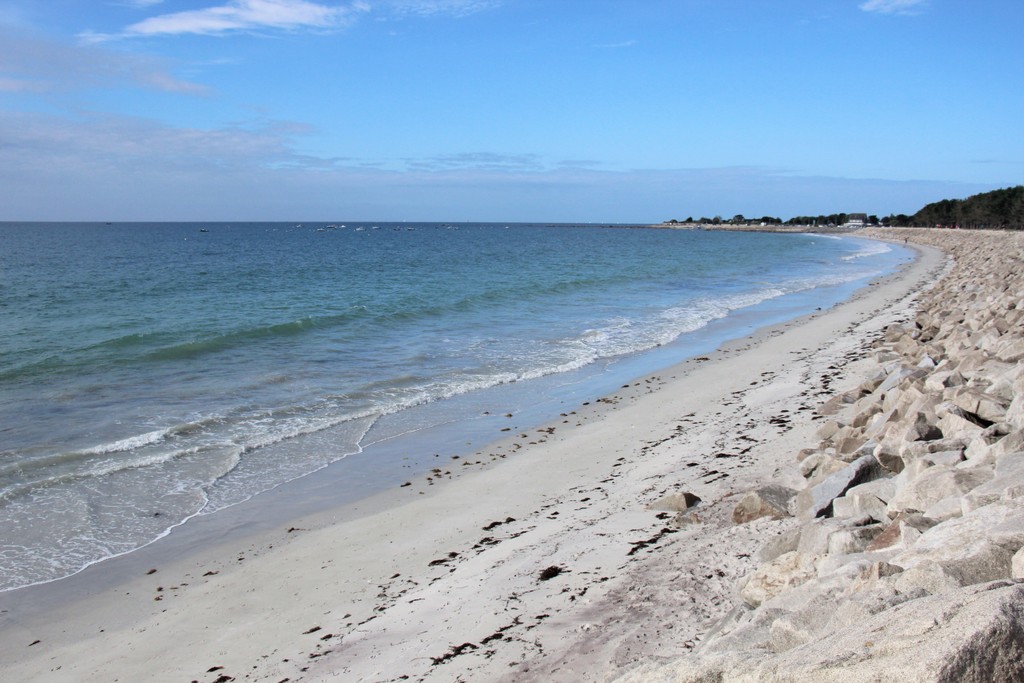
(902, 558)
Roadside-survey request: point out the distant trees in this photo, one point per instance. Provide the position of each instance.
(997, 209)
(820, 221)
(896, 220)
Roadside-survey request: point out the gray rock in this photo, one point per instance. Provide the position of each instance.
(934, 484)
(819, 465)
(767, 501)
(816, 501)
(852, 540)
(1009, 477)
(966, 547)
(901, 533)
(930, 577)
(947, 508)
(675, 502)
(784, 572)
(978, 639)
(785, 542)
(889, 458)
(1017, 565)
(922, 428)
(979, 404)
(868, 499)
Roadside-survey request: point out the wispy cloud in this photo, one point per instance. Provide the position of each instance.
(243, 15)
(253, 172)
(21, 85)
(138, 3)
(895, 6)
(35, 64)
(455, 8)
(615, 46)
(479, 161)
(129, 144)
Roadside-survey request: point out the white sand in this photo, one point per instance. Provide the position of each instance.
(421, 584)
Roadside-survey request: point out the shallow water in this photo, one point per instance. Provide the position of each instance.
(153, 372)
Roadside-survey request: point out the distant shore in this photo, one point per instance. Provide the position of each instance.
(725, 227)
(577, 559)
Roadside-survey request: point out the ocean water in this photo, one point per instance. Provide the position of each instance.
(150, 373)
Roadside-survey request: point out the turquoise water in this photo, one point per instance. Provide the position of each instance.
(153, 372)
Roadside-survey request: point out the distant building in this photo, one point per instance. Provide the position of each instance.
(856, 220)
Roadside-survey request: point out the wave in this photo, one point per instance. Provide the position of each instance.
(870, 249)
(222, 342)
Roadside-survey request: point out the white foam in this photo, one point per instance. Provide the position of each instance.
(129, 444)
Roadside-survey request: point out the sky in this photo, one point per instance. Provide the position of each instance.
(606, 111)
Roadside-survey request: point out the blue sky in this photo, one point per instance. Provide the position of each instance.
(503, 110)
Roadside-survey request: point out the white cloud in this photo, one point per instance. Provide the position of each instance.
(243, 15)
(456, 8)
(106, 167)
(480, 161)
(894, 6)
(32, 63)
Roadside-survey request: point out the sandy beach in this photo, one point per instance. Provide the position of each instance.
(561, 553)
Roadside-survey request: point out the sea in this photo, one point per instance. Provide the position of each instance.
(151, 373)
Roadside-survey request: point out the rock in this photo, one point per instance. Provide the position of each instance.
(802, 626)
(922, 428)
(768, 580)
(868, 499)
(814, 535)
(1007, 481)
(880, 570)
(766, 501)
(929, 577)
(979, 404)
(852, 540)
(955, 420)
(820, 465)
(675, 502)
(934, 484)
(899, 376)
(902, 532)
(979, 639)
(828, 429)
(1015, 411)
(1010, 350)
(1017, 565)
(945, 458)
(938, 381)
(889, 459)
(817, 500)
(785, 542)
(947, 508)
(964, 546)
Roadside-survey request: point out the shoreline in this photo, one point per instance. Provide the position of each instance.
(388, 567)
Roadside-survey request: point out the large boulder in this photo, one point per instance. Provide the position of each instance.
(767, 501)
(978, 639)
(933, 484)
(816, 501)
(784, 572)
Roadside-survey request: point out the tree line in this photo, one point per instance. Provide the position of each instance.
(998, 209)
